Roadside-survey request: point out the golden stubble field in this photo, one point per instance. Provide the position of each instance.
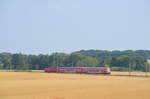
(29, 85)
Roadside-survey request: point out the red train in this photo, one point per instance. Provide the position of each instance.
(92, 70)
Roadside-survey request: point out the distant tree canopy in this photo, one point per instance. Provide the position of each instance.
(137, 60)
(103, 53)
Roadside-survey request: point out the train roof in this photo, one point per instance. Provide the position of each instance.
(86, 67)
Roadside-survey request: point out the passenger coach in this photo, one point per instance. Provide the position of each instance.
(92, 70)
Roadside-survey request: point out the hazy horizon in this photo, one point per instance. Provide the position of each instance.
(50, 53)
(46, 26)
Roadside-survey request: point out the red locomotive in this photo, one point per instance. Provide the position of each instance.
(92, 70)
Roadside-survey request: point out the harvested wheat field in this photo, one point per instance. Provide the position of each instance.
(28, 85)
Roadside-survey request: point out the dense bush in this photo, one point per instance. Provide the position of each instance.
(119, 69)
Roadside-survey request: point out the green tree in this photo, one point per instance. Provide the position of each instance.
(5, 60)
(107, 61)
(88, 61)
(74, 58)
(19, 62)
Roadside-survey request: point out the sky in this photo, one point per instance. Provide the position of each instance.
(47, 26)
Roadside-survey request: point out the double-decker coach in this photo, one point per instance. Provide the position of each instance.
(92, 70)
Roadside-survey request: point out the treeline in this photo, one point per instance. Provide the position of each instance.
(103, 53)
(20, 61)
